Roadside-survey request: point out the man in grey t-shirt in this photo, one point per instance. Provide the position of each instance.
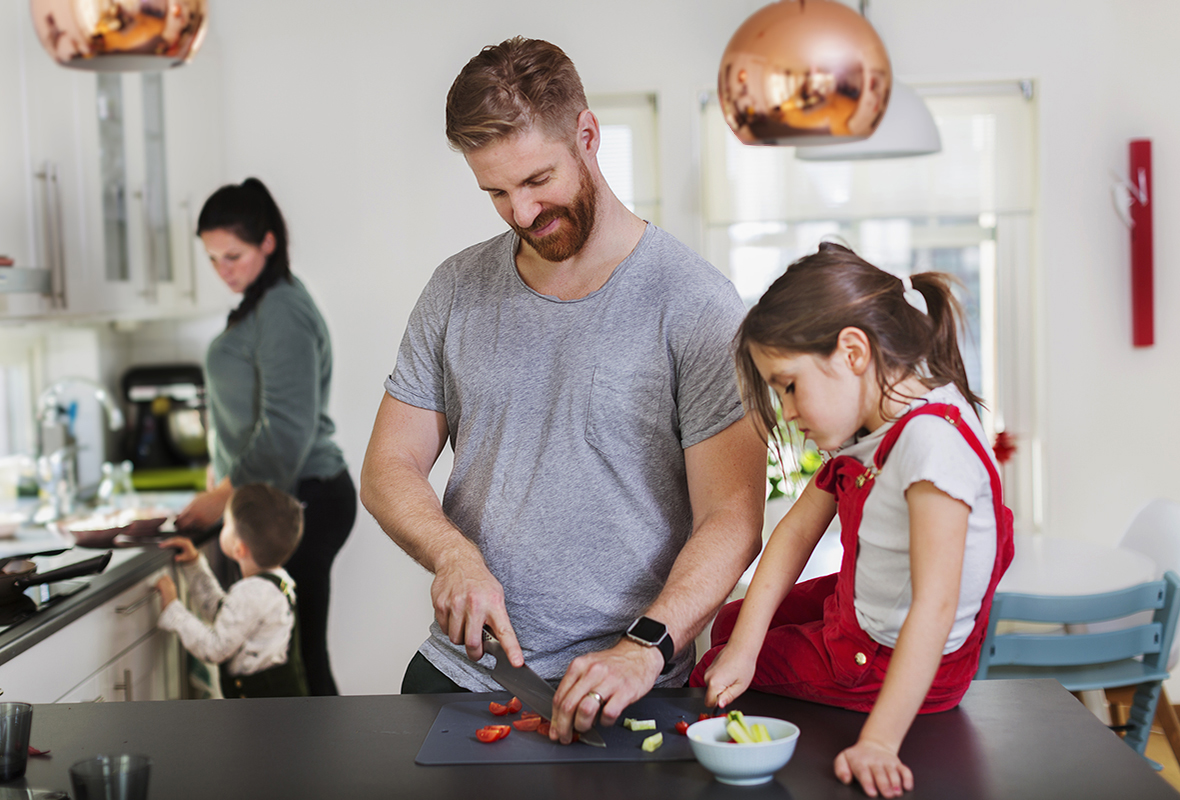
(605, 479)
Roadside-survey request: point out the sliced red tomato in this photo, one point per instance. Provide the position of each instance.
(527, 724)
(514, 705)
(543, 727)
(492, 733)
(704, 715)
(682, 727)
(499, 709)
(529, 715)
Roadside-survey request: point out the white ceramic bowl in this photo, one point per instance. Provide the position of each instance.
(742, 764)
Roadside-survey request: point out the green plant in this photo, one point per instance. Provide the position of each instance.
(802, 457)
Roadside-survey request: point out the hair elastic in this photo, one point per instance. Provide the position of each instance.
(913, 296)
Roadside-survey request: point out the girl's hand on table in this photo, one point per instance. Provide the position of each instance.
(876, 767)
(187, 551)
(728, 676)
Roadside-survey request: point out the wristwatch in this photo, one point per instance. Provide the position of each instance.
(650, 633)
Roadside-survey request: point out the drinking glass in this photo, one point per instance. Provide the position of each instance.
(111, 777)
(16, 721)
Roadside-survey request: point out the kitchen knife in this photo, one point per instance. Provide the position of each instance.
(533, 690)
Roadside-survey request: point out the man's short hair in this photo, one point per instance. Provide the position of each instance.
(268, 521)
(510, 88)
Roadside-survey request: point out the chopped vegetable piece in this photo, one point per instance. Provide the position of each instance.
(543, 727)
(529, 715)
(639, 724)
(514, 705)
(760, 733)
(499, 709)
(527, 723)
(652, 743)
(492, 733)
(682, 728)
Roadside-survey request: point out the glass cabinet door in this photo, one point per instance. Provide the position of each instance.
(137, 244)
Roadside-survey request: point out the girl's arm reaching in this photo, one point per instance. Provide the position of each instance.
(938, 539)
(786, 554)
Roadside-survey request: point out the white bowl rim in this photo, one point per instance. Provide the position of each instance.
(750, 718)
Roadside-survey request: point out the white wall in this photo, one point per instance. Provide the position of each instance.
(341, 114)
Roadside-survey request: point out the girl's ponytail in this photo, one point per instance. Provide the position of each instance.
(944, 360)
(819, 295)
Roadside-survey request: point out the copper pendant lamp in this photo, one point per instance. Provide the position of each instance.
(120, 35)
(804, 72)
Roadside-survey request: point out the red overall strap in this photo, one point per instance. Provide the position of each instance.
(1005, 548)
(851, 481)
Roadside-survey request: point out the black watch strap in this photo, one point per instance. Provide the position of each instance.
(653, 633)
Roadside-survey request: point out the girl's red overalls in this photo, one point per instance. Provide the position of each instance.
(814, 648)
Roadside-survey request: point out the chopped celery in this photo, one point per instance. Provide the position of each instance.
(652, 743)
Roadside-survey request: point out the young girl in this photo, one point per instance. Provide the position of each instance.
(867, 366)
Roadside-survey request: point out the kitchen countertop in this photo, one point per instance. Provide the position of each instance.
(128, 566)
(1008, 739)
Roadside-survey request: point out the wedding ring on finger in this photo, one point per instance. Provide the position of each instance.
(597, 698)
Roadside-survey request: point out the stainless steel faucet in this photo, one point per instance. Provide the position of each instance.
(57, 467)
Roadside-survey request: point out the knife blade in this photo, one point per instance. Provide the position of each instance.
(533, 690)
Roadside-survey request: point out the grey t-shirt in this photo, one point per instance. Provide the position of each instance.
(569, 420)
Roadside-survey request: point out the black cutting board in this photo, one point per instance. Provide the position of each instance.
(451, 739)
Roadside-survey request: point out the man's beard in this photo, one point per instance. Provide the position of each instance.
(570, 237)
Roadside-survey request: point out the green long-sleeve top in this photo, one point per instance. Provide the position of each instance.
(268, 378)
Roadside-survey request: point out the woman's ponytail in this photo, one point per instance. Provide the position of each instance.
(249, 212)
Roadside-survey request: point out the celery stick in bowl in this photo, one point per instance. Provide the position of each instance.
(743, 764)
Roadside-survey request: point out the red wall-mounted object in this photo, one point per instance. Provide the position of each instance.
(1142, 251)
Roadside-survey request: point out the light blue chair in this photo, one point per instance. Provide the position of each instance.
(1133, 656)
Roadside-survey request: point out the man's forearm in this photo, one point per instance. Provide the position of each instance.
(404, 504)
(705, 572)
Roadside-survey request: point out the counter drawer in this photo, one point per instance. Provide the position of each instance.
(43, 672)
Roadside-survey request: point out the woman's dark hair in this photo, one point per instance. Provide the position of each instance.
(248, 211)
(820, 295)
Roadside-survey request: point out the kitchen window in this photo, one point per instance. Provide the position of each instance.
(628, 154)
(967, 210)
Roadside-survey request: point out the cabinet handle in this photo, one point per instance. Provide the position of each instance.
(125, 686)
(55, 258)
(187, 205)
(125, 610)
(150, 273)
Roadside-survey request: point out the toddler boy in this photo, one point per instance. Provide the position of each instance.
(254, 636)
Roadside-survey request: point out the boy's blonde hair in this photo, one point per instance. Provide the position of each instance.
(268, 521)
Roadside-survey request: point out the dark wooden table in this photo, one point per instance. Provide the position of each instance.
(1009, 740)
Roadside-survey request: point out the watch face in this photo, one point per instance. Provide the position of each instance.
(648, 629)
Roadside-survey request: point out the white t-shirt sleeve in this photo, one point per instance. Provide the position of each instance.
(931, 449)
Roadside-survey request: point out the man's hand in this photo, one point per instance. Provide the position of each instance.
(877, 767)
(167, 589)
(466, 596)
(620, 676)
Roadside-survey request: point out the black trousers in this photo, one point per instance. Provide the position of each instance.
(328, 515)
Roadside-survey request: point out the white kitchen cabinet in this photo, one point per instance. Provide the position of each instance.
(90, 658)
(110, 173)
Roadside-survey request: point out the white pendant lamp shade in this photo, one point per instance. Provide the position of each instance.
(907, 129)
(804, 72)
(120, 35)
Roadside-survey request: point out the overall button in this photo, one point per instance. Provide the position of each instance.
(861, 660)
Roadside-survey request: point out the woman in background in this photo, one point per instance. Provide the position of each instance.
(268, 377)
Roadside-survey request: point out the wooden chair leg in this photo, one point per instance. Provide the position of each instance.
(1118, 701)
(1165, 716)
